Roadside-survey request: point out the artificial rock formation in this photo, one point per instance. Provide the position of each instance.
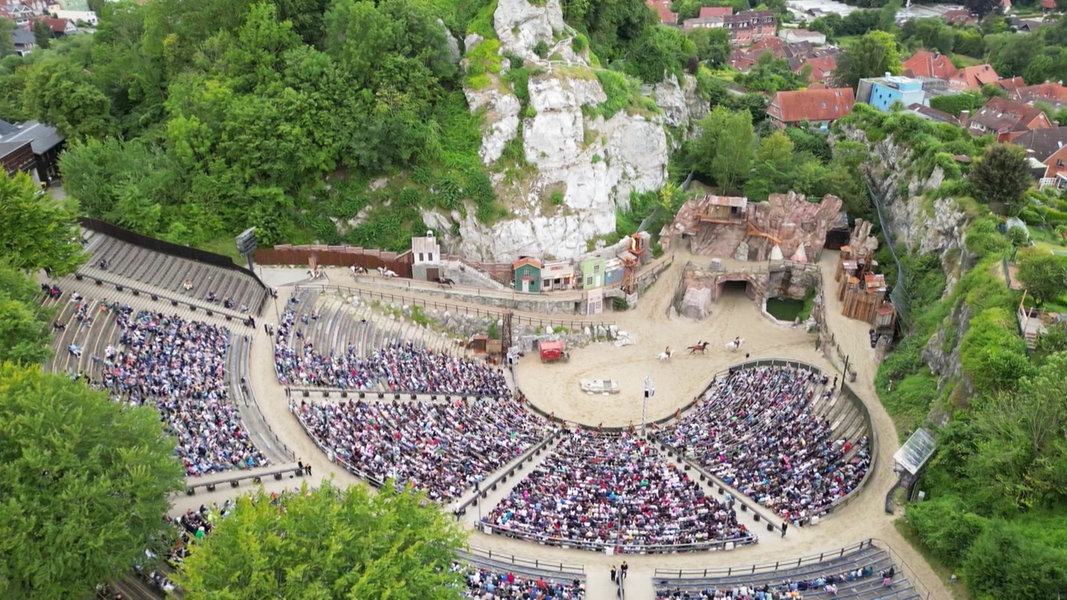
(786, 225)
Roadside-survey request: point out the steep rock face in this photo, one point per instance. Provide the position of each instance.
(679, 101)
(925, 227)
(521, 25)
(579, 166)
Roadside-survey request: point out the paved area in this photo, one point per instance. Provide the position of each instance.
(554, 388)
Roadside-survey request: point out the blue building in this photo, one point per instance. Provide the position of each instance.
(882, 92)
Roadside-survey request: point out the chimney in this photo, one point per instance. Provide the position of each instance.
(965, 118)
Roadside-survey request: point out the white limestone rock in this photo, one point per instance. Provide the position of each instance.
(521, 25)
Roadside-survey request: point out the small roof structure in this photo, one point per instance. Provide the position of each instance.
(916, 451)
(42, 138)
(526, 260)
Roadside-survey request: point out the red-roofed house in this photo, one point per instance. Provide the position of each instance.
(1050, 147)
(822, 68)
(706, 12)
(1051, 93)
(750, 26)
(929, 64)
(1007, 119)
(818, 107)
(1048, 6)
(663, 9)
(1010, 85)
(973, 78)
(59, 27)
(960, 16)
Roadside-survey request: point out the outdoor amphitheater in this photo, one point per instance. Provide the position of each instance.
(758, 472)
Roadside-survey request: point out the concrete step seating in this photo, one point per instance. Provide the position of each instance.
(865, 588)
(523, 567)
(169, 272)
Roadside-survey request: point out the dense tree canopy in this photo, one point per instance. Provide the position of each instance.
(873, 55)
(83, 484)
(724, 148)
(36, 231)
(24, 323)
(328, 543)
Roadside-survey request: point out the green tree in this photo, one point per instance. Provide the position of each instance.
(327, 543)
(1001, 177)
(773, 170)
(61, 93)
(42, 35)
(7, 43)
(931, 33)
(713, 45)
(873, 55)
(24, 323)
(724, 148)
(37, 232)
(659, 50)
(954, 104)
(1044, 274)
(770, 75)
(887, 16)
(85, 484)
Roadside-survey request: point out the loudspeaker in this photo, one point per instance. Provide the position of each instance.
(770, 527)
(235, 483)
(257, 479)
(189, 491)
(211, 487)
(277, 476)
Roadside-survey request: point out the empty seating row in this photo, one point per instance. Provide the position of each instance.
(178, 276)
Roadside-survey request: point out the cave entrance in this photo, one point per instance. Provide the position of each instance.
(734, 291)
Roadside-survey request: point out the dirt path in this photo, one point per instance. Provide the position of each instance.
(554, 388)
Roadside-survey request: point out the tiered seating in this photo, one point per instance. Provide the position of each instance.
(320, 343)
(856, 575)
(486, 578)
(179, 367)
(614, 491)
(170, 273)
(778, 435)
(442, 448)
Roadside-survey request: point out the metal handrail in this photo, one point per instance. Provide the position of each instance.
(761, 567)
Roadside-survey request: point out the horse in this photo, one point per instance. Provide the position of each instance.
(666, 355)
(445, 282)
(735, 345)
(698, 347)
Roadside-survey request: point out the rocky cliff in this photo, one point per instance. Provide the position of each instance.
(580, 160)
(922, 225)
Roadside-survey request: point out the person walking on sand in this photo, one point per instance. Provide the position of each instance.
(613, 573)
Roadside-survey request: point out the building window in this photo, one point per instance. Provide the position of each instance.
(589, 280)
(596, 268)
(1059, 163)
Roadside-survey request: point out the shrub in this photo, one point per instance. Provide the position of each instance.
(946, 527)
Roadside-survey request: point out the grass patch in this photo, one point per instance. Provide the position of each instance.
(623, 94)
(482, 23)
(482, 61)
(225, 246)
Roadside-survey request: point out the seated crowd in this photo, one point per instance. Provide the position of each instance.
(396, 368)
(759, 432)
(442, 448)
(616, 491)
(484, 584)
(178, 366)
(823, 585)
